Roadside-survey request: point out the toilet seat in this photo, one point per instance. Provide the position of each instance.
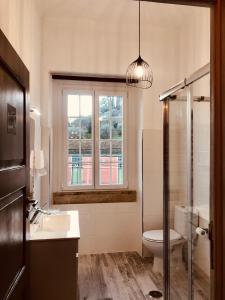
(157, 236)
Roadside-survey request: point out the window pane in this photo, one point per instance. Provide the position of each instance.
(85, 105)
(86, 149)
(73, 128)
(117, 148)
(117, 106)
(86, 171)
(74, 122)
(86, 128)
(105, 171)
(73, 106)
(73, 170)
(104, 129)
(117, 170)
(74, 147)
(105, 148)
(80, 152)
(111, 140)
(117, 128)
(72, 175)
(104, 107)
(79, 170)
(74, 133)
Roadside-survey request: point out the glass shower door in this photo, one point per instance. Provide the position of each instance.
(200, 92)
(187, 192)
(177, 196)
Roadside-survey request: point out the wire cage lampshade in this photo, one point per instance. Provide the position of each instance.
(139, 73)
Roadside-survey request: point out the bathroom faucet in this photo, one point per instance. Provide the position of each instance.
(34, 206)
(36, 210)
(40, 210)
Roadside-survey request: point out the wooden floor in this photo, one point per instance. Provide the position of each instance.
(179, 285)
(125, 276)
(117, 276)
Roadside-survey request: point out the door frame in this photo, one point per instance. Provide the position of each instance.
(12, 63)
(217, 176)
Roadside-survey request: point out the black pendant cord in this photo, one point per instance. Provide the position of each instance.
(139, 28)
(139, 73)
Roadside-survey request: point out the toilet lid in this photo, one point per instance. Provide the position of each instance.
(157, 235)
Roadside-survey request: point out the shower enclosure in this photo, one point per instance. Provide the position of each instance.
(186, 117)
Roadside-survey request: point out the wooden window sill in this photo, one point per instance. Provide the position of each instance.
(87, 197)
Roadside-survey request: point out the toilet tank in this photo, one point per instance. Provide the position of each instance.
(181, 220)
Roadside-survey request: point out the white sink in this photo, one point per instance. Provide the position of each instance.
(60, 225)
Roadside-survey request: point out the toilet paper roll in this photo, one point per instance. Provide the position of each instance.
(201, 231)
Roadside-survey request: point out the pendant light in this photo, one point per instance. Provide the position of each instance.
(139, 74)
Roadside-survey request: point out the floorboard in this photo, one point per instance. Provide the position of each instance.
(128, 276)
(116, 276)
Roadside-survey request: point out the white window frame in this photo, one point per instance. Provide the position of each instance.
(95, 92)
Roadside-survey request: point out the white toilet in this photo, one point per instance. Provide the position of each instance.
(153, 240)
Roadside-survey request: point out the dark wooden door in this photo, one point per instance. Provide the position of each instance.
(14, 175)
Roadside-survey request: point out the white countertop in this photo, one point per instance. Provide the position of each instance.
(60, 225)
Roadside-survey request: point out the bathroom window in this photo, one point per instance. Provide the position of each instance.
(95, 140)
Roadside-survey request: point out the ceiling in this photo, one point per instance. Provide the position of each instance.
(117, 10)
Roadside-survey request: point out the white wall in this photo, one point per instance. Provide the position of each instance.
(21, 23)
(93, 47)
(194, 44)
(152, 179)
(108, 46)
(191, 49)
(90, 47)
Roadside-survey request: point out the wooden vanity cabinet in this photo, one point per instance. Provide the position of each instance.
(54, 269)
